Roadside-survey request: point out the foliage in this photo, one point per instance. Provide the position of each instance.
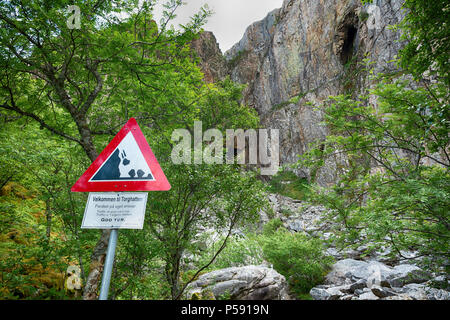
(219, 196)
(395, 187)
(299, 258)
(288, 184)
(40, 235)
(240, 251)
(81, 86)
(138, 267)
(426, 32)
(27, 266)
(272, 226)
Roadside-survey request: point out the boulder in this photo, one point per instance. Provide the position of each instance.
(382, 292)
(358, 285)
(240, 283)
(405, 274)
(437, 294)
(415, 291)
(320, 294)
(331, 293)
(368, 296)
(343, 270)
(375, 273)
(360, 280)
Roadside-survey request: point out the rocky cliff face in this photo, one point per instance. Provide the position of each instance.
(304, 52)
(212, 61)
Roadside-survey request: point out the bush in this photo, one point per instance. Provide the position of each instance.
(289, 185)
(272, 226)
(299, 258)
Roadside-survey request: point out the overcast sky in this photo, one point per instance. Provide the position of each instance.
(230, 18)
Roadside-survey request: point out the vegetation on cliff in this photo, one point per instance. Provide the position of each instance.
(395, 189)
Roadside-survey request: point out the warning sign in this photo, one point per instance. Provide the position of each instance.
(115, 210)
(126, 164)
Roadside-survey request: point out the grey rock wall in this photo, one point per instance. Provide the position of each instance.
(304, 52)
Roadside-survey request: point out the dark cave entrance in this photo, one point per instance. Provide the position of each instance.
(350, 32)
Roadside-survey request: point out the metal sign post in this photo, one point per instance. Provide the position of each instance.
(107, 271)
(126, 164)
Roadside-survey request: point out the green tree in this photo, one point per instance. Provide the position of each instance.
(221, 197)
(427, 33)
(301, 259)
(81, 86)
(75, 83)
(40, 233)
(395, 188)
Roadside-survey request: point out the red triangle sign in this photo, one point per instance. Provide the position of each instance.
(126, 164)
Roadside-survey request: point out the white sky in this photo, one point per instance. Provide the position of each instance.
(230, 18)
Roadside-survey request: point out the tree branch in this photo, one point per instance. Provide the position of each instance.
(224, 243)
(40, 121)
(90, 99)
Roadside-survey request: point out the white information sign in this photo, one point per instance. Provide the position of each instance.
(121, 210)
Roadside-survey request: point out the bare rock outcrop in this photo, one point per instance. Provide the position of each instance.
(211, 59)
(372, 280)
(240, 283)
(300, 54)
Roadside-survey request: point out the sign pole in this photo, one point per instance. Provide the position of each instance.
(127, 164)
(109, 261)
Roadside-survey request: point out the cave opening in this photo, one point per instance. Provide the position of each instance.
(349, 40)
